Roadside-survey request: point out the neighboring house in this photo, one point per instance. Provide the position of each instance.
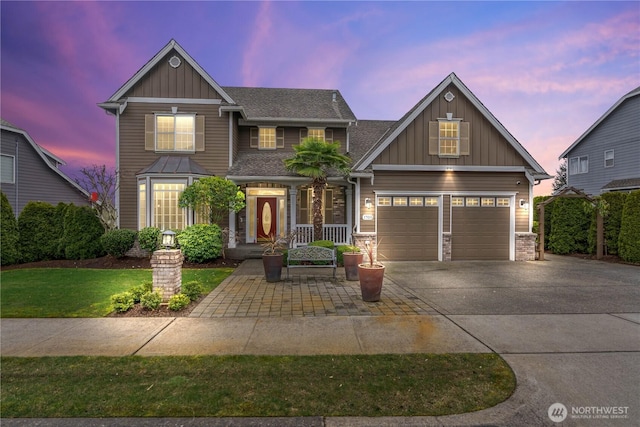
(607, 156)
(446, 181)
(30, 172)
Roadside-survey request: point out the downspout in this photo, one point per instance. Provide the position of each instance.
(117, 201)
(16, 180)
(356, 225)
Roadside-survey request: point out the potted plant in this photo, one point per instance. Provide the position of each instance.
(351, 258)
(371, 275)
(273, 255)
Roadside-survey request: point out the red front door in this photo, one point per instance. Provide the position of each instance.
(266, 217)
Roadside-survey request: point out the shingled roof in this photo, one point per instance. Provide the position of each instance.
(308, 105)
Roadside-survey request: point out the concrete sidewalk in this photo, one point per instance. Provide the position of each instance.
(582, 355)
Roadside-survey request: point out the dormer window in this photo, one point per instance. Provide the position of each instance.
(267, 138)
(317, 133)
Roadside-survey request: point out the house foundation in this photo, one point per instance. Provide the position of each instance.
(167, 272)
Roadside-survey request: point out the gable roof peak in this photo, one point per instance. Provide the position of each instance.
(171, 45)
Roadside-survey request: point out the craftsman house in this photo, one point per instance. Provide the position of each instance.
(31, 173)
(446, 181)
(606, 157)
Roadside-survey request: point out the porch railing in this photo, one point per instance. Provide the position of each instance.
(337, 233)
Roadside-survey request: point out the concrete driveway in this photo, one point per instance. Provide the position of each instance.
(569, 328)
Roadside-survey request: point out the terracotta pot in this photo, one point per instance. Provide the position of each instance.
(351, 261)
(272, 267)
(371, 281)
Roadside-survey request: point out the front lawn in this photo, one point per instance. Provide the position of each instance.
(79, 292)
(253, 386)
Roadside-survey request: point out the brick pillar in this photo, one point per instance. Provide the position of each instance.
(526, 246)
(360, 239)
(446, 247)
(167, 272)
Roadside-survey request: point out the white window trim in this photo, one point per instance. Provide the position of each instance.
(13, 168)
(193, 133)
(612, 158)
(457, 139)
(579, 160)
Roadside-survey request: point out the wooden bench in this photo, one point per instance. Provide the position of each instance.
(306, 255)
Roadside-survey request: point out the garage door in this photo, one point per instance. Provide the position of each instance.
(480, 228)
(408, 228)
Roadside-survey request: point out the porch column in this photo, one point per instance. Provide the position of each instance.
(293, 210)
(349, 193)
(232, 229)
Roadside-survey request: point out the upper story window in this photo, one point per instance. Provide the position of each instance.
(7, 168)
(449, 138)
(608, 159)
(175, 132)
(317, 133)
(578, 165)
(267, 138)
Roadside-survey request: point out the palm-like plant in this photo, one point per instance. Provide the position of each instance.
(315, 158)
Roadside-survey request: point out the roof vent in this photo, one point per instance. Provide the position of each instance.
(175, 62)
(335, 96)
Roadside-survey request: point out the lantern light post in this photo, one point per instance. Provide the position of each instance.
(168, 239)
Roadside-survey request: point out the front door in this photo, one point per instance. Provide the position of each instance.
(266, 217)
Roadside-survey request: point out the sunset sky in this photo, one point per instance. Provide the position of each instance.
(546, 70)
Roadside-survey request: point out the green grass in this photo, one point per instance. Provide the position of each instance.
(262, 386)
(70, 292)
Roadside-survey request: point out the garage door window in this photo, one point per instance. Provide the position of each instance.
(431, 201)
(504, 202)
(488, 202)
(457, 201)
(399, 201)
(472, 201)
(416, 201)
(384, 201)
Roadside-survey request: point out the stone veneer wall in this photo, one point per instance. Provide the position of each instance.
(446, 246)
(525, 246)
(167, 272)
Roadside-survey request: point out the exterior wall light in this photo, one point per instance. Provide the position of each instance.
(168, 239)
(524, 204)
(367, 203)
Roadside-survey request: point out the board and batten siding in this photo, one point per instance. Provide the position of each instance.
(620, 131)
(487, 146)
(133, 157)
(34, 178)
(446, 183)
(164, 81)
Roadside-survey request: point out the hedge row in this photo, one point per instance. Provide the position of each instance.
(570, 224)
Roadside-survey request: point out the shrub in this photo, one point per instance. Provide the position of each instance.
(629, 239)
(570, 223)
(117, 242)
(149, 238)
(82, 232)
(151, 300)
(201, 242)
(548, 213)
(39, 232)
(613, 221)
(9, 235)
(192, 289)
(323, 244)
(178, 302)
(139, 290)
(122, 302)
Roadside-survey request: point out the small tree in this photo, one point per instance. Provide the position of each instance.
(214, 196)
(560, 180)
(9, 235)
(315, 158)
(629, 239)
(102, 181)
